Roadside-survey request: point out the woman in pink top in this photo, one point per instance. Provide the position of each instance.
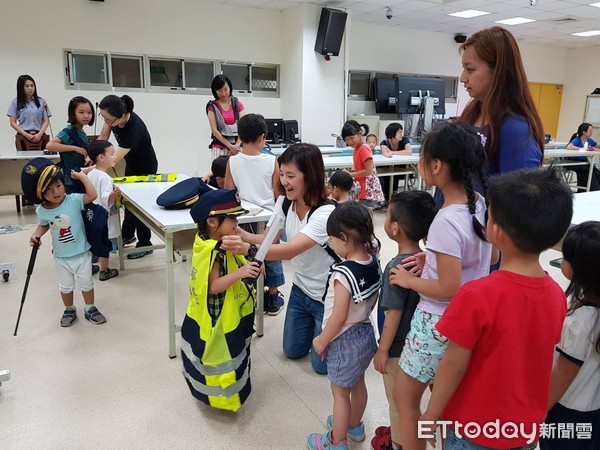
(223, 114)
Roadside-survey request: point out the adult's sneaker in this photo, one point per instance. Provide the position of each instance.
(108, 274)
(95, 316)
(356, 434)
(129, 241)
(68, 318)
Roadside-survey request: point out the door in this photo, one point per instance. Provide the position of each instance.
(547, 99)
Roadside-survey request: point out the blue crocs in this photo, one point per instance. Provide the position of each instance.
(318, 441)
(356, 434)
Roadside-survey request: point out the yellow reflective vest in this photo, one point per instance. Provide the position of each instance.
(216, 359)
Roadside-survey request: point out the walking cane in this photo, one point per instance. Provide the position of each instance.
(34, 250)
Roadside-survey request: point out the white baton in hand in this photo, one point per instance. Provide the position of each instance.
(274, 229)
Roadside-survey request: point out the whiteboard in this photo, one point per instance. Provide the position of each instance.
(592, 110)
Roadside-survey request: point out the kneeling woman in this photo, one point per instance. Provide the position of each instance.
(304, 210)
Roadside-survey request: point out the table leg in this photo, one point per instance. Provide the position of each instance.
(260, 305)
(260, 297)
(120, 250)
(590, 173)
(171, 294)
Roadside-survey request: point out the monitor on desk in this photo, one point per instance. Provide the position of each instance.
(412, 91)
(274, 130)
(385, 96)
(290, 131)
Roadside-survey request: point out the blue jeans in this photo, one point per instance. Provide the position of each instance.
(303, 322)
(453, 442)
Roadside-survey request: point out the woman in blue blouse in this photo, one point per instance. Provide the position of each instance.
(29, 114)
(578, 141)
(501, 107)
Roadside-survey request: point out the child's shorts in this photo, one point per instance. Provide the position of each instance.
(74, 270)
(350, 354)
(424, 347)
(274, 276)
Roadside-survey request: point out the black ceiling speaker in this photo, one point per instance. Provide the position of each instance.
(460, 38)
(331, 32)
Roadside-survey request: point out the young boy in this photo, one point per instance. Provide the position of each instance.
(340, 186)
(43, 182)
(502, 329)
(102, 154)
(407, 221)
(219, 321)
(256, 176)
(216, 176)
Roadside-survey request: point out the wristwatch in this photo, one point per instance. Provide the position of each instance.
(252, 250)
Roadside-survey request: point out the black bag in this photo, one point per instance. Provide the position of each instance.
(95, 220)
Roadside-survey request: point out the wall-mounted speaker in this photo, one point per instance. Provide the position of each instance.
(331, 32)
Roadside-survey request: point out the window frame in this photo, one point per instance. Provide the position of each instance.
(144, 61)
(69, 68)
(143, 78)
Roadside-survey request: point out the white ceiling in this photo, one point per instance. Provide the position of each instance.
(555, 20)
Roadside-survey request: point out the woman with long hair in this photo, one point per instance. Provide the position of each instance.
(29, 113)
(501, 108)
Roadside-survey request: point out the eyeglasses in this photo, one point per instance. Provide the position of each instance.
(107, 121)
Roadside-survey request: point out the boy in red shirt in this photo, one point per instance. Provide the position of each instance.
(492, 386)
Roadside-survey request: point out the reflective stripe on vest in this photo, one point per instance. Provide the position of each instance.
(227, 366)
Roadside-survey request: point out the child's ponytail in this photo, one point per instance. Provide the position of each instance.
(352, 127)
(459, 146)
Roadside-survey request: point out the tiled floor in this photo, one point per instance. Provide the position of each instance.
(113, 386)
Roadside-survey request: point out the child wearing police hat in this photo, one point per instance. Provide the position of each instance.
(60, 213)
(219, 321)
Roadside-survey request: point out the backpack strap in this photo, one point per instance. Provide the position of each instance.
(72, 132)
(234, 105)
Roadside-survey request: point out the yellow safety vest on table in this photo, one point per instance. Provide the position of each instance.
(216, 359)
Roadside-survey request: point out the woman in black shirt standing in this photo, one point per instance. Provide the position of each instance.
(135, 145)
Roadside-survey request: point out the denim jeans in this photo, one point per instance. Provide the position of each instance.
(453, 442)
(303, 321)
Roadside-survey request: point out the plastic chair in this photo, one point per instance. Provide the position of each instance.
(23, 144)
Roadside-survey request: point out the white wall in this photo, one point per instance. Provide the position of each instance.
(322, 84)
(392, 49)
(580, 80)
(186, 28)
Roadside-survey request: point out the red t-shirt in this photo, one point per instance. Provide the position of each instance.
(360, 155)
(511, 323)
